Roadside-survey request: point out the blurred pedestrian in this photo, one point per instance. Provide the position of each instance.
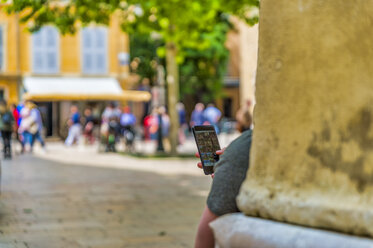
(27, 128)
(244, 117)
(183, 126)
(127, 119)
(111, 112)
(128, 122)
(88, 126)
(163, 123)
(110, 128)
(74, 127)
(20, 138)
(197, 117)
(212, 115)
(145, 86)
(6, 128)
(36, 115)
(16, 116)
(15, 113)
(150, 125)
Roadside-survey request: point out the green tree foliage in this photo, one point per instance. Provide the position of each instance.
(143, 52)
(202, 72)
(182, 24)
(196, 27)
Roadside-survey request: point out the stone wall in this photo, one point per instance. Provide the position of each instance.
(312, 153)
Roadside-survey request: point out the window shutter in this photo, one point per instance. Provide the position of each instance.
(87, 63)
(51, 56)
(100, 38)
(101, 50)
(94, 50)
(1, 48)
(51, 61)
(45, 51)
(86, 50)
(37, 56)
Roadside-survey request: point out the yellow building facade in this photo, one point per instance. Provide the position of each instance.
(87, 68)
(17, 56)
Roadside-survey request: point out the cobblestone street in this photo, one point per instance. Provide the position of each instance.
(80, 198)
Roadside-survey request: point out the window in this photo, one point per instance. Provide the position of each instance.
(2, 48)
(94, 50)
(45, 49)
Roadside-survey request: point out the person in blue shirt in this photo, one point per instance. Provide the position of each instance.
(212, 115)
(197, 117)
(74, 127)
(183, 126)
(127, 123)
(19, 109)
(127, 119)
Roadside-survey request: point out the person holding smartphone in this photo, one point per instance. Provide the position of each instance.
(229, 173)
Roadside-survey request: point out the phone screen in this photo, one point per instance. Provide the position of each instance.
(208, 144)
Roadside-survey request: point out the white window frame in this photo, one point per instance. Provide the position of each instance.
(45, 71)
(3, 26)
(106, 49)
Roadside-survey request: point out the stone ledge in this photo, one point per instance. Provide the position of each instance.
(238, 230)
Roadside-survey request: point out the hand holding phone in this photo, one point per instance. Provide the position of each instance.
(199, 164)
(208, 147)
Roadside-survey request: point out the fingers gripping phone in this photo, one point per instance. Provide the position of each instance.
(207, 144)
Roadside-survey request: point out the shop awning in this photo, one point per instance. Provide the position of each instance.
(79, 89)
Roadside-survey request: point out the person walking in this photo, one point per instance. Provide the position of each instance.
(212, 115)
(127, 123)
(111, 112)
(150, 125)
(183, 126)
(127, 119)
(16, 116)
(164, 125)
(27, 128)
(36, 115)
(74, 127)
(89, 124)
(6, 128)
(197, 117)
(110, 128)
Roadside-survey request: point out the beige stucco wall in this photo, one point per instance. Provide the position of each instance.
(312, 153)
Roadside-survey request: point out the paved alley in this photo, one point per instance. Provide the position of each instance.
(80, 198)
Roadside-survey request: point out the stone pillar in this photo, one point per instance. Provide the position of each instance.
(312, 152)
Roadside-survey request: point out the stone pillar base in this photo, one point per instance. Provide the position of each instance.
(238, 230)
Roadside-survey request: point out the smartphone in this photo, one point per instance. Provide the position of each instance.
(207, 144)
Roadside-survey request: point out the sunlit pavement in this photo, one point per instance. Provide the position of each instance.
(77, 197)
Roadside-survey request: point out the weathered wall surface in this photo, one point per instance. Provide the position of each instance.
(312, 154)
